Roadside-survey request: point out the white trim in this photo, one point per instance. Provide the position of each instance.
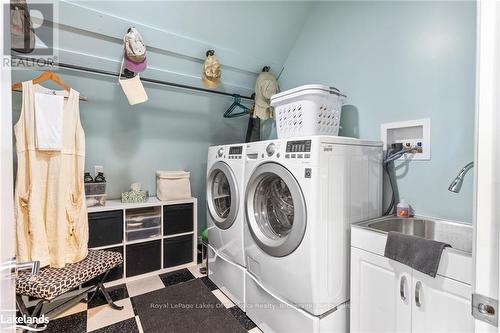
(487, 163)
(144, 240)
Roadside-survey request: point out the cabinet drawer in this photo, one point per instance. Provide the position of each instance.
(143, 218)
(143, 223)
(115, 274)
(177, 219)
(105, 228)
(143, 257)
(177, 251)
(143, 233)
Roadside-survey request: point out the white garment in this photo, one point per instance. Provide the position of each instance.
(49, 121)
(51, 215)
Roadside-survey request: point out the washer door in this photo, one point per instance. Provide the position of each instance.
(276, 210)
(222, 195)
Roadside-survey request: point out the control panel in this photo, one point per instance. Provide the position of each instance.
(302, 146)
(235, 152)
(278, 149)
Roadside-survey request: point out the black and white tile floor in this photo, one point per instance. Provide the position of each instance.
(98, 317)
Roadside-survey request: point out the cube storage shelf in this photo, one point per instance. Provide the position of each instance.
(154, 237)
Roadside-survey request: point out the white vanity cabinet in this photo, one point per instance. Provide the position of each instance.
(380, 294)
(387, 296)
(440, 304)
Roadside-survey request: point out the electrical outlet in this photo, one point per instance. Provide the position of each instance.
(97, 169)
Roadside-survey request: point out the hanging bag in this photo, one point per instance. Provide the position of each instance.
(22, 36)
(132, 88)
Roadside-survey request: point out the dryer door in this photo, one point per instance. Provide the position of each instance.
(222, 195)
(276, 210)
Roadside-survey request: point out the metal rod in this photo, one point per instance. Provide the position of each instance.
(115, 74)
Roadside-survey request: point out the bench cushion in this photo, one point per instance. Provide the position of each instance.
(52, 282)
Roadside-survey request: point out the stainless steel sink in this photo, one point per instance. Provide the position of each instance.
(458, 235)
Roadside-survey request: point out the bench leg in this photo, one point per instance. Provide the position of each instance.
(34, 314)
(100, 287)
(108, 298)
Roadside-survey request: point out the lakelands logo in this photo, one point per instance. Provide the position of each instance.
(31, 324)
(29, 35)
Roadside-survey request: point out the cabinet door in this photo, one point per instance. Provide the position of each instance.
(441, 305)
(105, 228)
(177, 219)
(143, 257)
(380, 294)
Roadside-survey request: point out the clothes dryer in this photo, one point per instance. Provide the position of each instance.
(225, 220)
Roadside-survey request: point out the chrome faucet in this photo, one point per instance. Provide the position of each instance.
(456, 184)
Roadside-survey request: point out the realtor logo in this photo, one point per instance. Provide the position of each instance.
(24, 322)
(29, 34)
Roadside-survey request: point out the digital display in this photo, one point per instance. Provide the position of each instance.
(298, 146)
(236, 150)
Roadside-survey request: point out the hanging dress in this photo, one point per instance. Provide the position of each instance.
(51, 213)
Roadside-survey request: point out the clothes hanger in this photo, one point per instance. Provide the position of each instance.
(237, 98)
(47, 76)
(236, 104)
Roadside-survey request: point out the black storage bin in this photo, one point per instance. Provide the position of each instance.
(105, 228)
(143, 257)
(177, 250)
(177, 219)
(115, 274)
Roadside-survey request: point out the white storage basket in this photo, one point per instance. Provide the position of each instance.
(173, 185)
(312, 109)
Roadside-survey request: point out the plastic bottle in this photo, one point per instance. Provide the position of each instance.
(403, 209)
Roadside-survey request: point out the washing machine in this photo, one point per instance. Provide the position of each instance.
(301, 196)
(225, 220)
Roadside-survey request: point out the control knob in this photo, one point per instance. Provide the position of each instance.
(270, 149)
(220, 152)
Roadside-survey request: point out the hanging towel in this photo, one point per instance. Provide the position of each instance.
(418, 253)
(49, 121)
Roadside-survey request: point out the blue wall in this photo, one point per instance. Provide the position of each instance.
(395, 60)
(400, 61)
(173, 130)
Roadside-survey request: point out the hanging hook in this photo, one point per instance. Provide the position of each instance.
(210, 53)
(266, 68)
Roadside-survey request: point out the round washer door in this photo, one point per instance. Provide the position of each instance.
(222, 195)
(276, 210)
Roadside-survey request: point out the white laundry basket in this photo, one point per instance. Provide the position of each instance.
(312, 109)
